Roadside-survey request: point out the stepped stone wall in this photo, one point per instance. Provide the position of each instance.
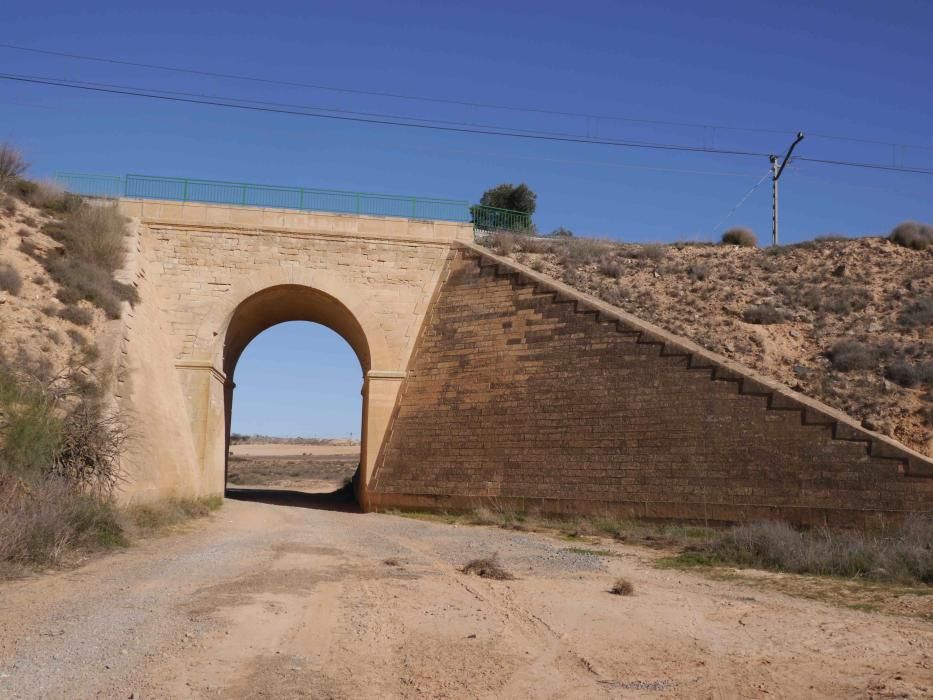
(526, 394)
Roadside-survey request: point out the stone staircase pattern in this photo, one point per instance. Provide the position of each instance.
(529, 395)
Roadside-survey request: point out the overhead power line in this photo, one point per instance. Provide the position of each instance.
(317, 109)
(236, 103)
(323, 113)
(448, 101)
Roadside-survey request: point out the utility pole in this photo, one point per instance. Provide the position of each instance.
(776, 169)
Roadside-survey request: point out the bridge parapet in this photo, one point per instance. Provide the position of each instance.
(197, 215)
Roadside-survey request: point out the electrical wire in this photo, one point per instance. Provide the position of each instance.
(740, 203)
(456, 127)
(236, 103)
(439, 100)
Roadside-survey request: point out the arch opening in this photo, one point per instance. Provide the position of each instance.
(258, 313)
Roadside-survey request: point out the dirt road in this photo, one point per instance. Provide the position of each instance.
(271, 601)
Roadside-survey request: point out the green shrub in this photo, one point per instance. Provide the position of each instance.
(10, 280)
(912, 234)
(740, 236)
(32, 431)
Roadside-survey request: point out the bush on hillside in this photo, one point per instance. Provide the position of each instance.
(763, 314)
(912, 234)
(93, 247)
(76, 315)
(47, 196)
(655, 252)
(848, 355)
(10, 279)
(12, 165)
(740, 236)
(96, 235)
(918, 314)
(902, 371)
(59, 462)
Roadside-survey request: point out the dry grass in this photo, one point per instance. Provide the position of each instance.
(901, 555)
(10, 280)
(487, 567)
(622, 587)
(93, 241)
(47, 522)
(149, 518)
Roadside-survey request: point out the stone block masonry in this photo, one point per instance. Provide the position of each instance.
(523, 393)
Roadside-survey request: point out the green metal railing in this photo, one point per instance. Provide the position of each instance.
(493, 219)
(248, 194)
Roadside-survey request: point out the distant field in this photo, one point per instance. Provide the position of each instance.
(269, 449)
(311, 468)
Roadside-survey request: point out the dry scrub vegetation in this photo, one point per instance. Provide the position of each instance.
(846, 321)
(60, 439)
(897, 554)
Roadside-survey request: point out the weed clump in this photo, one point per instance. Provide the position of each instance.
(912, 234)
(763, 314)
(76, 315)
(622, 587)
(848, 355)
(12, 165)
(903, 372)
(487, 567)
(918, 314)
(902, 555)
(10, 280)
(740, 236)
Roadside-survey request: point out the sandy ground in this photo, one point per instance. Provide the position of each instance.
(272, 601)
(266, 449)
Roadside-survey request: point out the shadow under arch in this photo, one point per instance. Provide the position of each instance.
(263, 310)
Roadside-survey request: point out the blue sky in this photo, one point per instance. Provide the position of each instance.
(856, 70)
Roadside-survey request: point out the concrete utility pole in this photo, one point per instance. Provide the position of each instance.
(776, 170)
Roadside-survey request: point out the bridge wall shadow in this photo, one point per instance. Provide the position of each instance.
(342, 500)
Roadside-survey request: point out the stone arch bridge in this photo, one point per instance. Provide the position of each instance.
(481, 380)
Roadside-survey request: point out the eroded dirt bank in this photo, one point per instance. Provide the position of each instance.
(285, 602)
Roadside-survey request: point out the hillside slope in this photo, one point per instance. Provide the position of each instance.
(848, 322)
(36, 333)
